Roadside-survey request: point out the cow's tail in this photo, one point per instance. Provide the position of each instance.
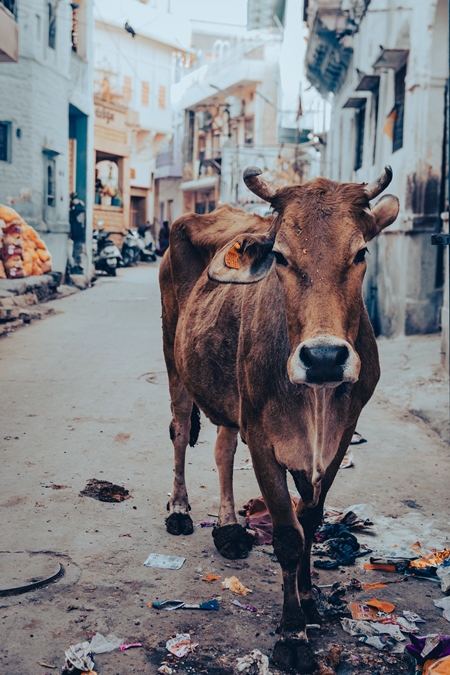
(195, 425)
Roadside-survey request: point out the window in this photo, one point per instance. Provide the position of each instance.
(249, 126)
(188, 142)
(145, 93)
(74, 27)
(51, 26)
(38, 27)
(162, 98)
(5, 141)
(397, 140)
(360, 117)
(127, 87)
(375, 102)
(51, 186)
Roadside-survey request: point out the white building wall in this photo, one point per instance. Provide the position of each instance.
(403, 263)
(142, 65)
(35, 97)
(143, 60)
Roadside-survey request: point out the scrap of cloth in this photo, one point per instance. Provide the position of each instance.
(428, 648)
(339, 544)
(257, 518)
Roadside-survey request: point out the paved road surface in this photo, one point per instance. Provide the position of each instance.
(84, 395)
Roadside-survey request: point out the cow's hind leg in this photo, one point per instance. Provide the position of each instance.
(231, 539)
(184, 429)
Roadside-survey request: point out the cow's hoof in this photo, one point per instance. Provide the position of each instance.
(179, 523)
(293, 656)
(311, 612)
(232, 541)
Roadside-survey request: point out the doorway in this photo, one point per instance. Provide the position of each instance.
(138, 211)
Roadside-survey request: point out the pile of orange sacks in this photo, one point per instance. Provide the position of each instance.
(22, 251)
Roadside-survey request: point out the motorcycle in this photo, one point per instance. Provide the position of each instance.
(105, 254)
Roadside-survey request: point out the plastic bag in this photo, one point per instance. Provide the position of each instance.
(101, 644)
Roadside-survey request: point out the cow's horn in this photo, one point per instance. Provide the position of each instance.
(377, 186)
(259, 186)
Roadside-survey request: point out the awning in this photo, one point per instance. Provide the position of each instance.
(391, 58)
(355, 102)
(200, 184)
(368, 83)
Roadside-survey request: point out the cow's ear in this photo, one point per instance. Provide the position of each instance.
(244, 260)
(384, 213)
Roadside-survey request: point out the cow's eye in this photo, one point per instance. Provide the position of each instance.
(359, 257)
(280, 259)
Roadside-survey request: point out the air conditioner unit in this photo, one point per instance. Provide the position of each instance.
(235, 106)
(200, 119)
(204, 120)
(293, 136)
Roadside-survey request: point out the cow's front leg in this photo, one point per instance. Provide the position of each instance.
(179, 521)
(310, 519)
(288, 537)
(231, 539)
(292, 651)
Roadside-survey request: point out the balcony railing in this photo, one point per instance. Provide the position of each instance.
(167, 166)
(164, 159)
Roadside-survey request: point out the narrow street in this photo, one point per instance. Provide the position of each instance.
(84, 395)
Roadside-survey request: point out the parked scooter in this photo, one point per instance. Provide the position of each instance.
(147, 244)
(105, 254)
(135, 248)
(131, 250)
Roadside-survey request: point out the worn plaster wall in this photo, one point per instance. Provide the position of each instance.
(35, 96)
(402, 289)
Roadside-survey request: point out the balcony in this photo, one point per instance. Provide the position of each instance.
(9, 32)
(244, 64)
(166, 166)
(330, 43)
(210, 158)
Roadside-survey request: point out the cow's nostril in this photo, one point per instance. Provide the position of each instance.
(324, 362)
(305, 357)
(342, 355)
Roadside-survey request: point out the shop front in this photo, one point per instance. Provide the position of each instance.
(200, 196)
(112, 169)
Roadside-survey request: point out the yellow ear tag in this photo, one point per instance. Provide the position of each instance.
(232, 256)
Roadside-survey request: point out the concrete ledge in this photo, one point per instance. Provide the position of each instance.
(44, 285)
(25, 317)
(18, 294)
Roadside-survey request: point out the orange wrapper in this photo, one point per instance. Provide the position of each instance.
(362, 612)
(385, 607)
(382, 567)
(211, 577)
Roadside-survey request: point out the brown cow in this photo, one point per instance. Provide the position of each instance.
(265, 330)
